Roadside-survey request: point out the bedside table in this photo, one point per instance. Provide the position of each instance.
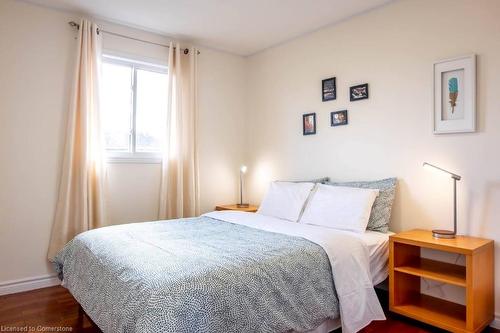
(407, 267)
(249, 209)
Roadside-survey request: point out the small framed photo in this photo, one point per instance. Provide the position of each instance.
(455, 95)
(309, 123)
(358, 92)
(338, 118)
(329, 89)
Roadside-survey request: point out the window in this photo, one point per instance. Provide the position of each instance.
(133, 108)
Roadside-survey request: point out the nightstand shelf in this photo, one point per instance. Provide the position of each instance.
(407, 268)
(435, 270)
(435, 311)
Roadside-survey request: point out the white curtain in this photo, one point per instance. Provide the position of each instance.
(179, 190)
(80, 203)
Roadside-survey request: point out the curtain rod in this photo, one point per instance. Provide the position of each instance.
(77, 26)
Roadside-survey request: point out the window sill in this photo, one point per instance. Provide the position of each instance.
(134, 160)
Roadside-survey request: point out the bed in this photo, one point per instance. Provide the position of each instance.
(225, 272)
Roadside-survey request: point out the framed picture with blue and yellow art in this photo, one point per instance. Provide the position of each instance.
(455, 95)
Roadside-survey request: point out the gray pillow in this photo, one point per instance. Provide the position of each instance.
(381, 211)
(323, 180)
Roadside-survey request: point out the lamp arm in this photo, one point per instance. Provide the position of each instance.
(453, 175)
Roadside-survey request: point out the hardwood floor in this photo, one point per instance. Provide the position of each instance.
(54, 307)
(32, 311)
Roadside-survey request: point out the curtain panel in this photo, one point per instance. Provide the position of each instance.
(179, 190)
(80, 205)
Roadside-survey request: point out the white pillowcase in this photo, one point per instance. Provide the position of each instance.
(339, 207)
(285, 200)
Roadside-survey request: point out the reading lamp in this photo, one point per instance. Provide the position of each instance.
(243, 170)
(455, 177)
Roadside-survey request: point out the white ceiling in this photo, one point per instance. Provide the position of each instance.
(242, 27)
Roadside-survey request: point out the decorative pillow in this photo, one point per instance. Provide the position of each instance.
(285, 200)
(381, 210)
(322, 180)
(340, 207)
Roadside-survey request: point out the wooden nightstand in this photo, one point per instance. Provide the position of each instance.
(406, 268)
(249, 209)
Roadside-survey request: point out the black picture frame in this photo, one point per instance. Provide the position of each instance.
(310, 127)
(338, 118)
(329, 89)
(359, 92)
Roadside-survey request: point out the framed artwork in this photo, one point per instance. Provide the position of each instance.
(309, 123)
(455, 95)
(358, 92)
(338, 118)
(329, 89)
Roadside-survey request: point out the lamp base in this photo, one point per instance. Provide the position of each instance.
(245, 205)
(447, 234)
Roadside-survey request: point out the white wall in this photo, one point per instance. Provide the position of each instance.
(390, 134)
(36, 59)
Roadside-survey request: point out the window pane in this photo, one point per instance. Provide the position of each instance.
(116, 104)
(151, 110)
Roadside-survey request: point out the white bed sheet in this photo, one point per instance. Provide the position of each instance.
(378, 249)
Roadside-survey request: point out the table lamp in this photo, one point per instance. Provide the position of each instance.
(243, 170)
(455, 177)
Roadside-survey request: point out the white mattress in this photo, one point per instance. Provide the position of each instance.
(378, 247)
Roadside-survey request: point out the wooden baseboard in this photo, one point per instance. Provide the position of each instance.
(17, 286)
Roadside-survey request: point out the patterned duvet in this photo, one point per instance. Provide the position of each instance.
(198, 275)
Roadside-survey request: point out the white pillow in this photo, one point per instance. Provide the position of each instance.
(339, 207)
(285, 200)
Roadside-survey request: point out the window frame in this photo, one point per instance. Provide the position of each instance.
(133, 156)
